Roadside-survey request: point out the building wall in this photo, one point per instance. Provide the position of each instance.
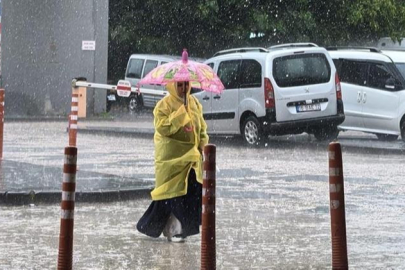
(42, 53)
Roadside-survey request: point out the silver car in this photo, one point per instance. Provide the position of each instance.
(139, 65)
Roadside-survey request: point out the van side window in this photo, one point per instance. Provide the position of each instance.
(354, 72)
(211, 65)
(149, 65)
(250, 74)
(378, 76)
(228, 72)
(135, 68)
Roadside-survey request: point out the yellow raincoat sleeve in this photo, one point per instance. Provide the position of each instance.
(168, 123)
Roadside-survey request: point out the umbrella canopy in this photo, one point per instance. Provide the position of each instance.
(200, 75)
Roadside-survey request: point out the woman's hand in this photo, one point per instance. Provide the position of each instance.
(188, 128)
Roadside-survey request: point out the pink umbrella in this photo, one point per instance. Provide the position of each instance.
(200, 75)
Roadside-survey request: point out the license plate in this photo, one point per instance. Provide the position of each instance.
(308, 107)
(111, 97)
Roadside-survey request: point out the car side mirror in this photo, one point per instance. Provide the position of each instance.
(390, 83)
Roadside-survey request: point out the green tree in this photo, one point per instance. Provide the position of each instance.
(207, 26)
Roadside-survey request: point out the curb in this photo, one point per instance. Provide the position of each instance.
(347, 144)
(117, 131)
(55, 119)
(371, 150)
(52, 197)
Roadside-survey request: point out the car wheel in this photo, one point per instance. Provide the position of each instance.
(108, 107)
(326, 134)
(387, 137)
(134, 105)
(252, 131)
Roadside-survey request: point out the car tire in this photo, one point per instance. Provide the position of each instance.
(252, 132)
(402, 127)
(134, 104)
(108, 107)
(387, 137)
(326, 134)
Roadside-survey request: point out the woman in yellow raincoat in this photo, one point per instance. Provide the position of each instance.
(180, 135)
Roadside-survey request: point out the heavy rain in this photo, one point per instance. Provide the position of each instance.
(278, 82)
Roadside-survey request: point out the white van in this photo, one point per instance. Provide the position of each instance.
(286, 89)
(387, 43)
(373, 89)
(139, 65)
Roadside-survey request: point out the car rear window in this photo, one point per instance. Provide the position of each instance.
(303, 69)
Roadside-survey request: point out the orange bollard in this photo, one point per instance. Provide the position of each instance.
(73, 116)
(208, 241)
(337, 208)
(65, 256)
(2, 93)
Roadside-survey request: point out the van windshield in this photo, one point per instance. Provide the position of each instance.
(303, 69)
(401, 68)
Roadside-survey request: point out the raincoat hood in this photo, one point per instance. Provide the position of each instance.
(180, 136)
(171, 88)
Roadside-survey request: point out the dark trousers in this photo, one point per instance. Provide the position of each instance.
(187, 209)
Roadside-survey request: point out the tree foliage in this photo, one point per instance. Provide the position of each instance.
(206, 26)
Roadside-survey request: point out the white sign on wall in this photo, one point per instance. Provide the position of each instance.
(88, 45)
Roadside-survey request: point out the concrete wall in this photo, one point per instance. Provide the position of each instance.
(42, 52)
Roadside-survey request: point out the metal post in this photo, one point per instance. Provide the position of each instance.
(208, 241)
(2, 93)
(65, 255)
(73, 115)
(337, 208)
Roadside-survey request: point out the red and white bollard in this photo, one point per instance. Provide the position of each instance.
(208, 241)
(2, 94)
(73, 116)
(65, 256)
(337, 208)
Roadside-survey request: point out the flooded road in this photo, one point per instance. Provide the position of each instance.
(272, 208)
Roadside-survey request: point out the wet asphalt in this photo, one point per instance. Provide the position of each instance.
(272, 202)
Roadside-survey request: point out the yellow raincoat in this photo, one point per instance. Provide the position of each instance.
(180, 136)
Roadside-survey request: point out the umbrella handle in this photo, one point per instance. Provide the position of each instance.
(185, 99)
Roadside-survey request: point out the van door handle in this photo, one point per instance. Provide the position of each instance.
(206, 98)
(358, 97)
(217, 97)
(364, 97)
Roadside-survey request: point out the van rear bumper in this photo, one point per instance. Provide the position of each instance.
(271, 127)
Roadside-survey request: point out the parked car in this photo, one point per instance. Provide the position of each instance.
(373, 90)
(146, 95)
(285, 89)
(388, 43)
(138, 66)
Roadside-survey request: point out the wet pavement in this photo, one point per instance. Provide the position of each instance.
(272, 204)
(31, 170)
(143, 125)
(20, 183)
